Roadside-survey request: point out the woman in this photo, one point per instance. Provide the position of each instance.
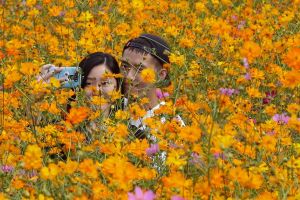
(100, 77)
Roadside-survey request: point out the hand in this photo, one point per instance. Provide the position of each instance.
(48, 71)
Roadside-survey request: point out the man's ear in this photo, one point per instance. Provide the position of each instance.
(162, 74)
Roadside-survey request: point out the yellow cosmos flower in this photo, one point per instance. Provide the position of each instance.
(54, 82)
(148, 75)
(122, 115)
(176, 158)
(55, 11)
(177, 59)
(253, 92)
(136, 112)
(50, 172)
(89, 168)
(33, 157)
(29, 68)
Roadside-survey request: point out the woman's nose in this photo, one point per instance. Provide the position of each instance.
(98, 87)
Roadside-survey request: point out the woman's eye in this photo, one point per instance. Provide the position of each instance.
(88, 83)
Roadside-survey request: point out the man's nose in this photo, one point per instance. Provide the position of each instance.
(131, 75)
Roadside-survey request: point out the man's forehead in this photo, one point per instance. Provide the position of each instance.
(135, 58)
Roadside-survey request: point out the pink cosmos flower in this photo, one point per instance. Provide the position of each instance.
(196, 159)
(251, 120)
(228, 91)
(270, 133)
(241, 25)
(247, 76)
(245, 63)
(152, 150)
(220, 155)
(62, 13)
(281, 118)
(39, 7)
(140, 195)
(7, 168)
(175, 197)
(234, 17)
(161, 95)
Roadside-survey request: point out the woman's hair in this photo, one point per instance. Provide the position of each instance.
(99, 58)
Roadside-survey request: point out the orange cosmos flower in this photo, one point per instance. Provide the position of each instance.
(176, 180)
(190, 133)
(77, 115)
(269, 143)
(292, 58)
(14, 76)
(88, 167)
(253, 92)
(136, 112)
(1, 55)
(55, 11)
(291, 79)
(120, 130)
(18, 184)
(99, 190)
(148, 75)
(251, 50)
(30, 3)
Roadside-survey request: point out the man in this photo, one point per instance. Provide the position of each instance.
(145, 52)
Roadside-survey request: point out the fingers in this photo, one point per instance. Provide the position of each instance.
(46, 68)
(58, 69)
(63, 79)
(49, 71)
(47, 76)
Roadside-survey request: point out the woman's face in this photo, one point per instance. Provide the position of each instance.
(98, 84)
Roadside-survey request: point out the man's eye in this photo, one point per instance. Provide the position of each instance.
(104, 83)
(140, 69)
(125, 67)
(88, 83)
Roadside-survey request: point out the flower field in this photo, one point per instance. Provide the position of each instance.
(235, 73)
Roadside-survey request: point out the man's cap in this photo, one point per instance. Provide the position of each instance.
(151, 44)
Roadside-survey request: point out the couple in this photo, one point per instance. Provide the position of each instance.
(144, 52)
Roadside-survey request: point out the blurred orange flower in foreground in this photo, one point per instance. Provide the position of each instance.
(77, 115)
(291, 79)
(292, 58)
(251, 50)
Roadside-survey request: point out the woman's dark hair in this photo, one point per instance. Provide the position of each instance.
(98, 58)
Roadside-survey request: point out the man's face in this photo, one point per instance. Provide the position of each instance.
(132, 65)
